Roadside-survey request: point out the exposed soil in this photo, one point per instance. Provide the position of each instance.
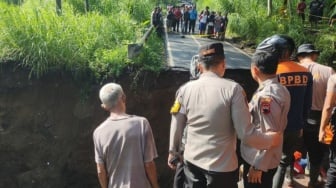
(46, 124)
(246, 46)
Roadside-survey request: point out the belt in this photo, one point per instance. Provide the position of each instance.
(314, 117)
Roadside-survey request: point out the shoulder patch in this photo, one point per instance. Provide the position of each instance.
(176, 107)
(265, 105)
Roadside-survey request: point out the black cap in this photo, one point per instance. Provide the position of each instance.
(277, 43)
(210, 50)
(307, 48)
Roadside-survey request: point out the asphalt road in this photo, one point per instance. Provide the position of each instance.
(181, 48)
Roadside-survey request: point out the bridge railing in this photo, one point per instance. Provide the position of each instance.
(135, 49)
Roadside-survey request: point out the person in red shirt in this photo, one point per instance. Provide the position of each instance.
(301, 6)
(178, 16)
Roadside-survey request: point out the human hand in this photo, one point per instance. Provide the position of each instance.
(326, 135)
(321, 136)
(172, 161)
(254, 176)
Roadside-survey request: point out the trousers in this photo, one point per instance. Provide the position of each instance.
(290, 144)
(266, 178)
(196, 177)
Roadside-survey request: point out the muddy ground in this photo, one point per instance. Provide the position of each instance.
(46, 124)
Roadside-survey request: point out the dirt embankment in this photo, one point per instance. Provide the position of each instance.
(46, 124)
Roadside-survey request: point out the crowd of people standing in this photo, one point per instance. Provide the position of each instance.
(184, 18)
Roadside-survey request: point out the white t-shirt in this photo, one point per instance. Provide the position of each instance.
(204, 18)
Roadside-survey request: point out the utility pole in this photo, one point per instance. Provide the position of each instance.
(87, 5)
(269, 8)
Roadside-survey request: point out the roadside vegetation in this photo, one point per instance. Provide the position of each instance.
(250, 20)
(90, 39)
(84, 42)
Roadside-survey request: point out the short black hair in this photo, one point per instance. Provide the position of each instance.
(304, 54)
(266, 62)
(211, 54)
(211, 61)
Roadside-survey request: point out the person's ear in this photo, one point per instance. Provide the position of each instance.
(123, 98)
(104, 107)
(286, 55)
(256, 70)
(200, 67)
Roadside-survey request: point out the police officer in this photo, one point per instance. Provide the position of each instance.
(298, 81)
(307, 56)
(214, 110)
(269, 107)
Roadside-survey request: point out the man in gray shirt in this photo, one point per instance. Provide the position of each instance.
(215, 111)
(124, 145)
(307, 56)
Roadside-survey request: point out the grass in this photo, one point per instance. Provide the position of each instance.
(33, 35)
